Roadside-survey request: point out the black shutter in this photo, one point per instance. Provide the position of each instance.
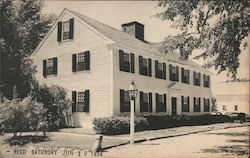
(204, 103)
(199, 104)
(188, 77)
(182, 75)
(194, 105)
(122, 100)
(199, 75)
(44, 68)
(59, 31)
(165, 103)
(86, 101)
(140, 65)
(204, 80)
(208, 81)
(74, 63)
(132, 63)
(177, 73)
(54, 65)
(71, 28)
(121, 60)
(170, 72)
(149, 67)
(164, 70)
(157, 102)
(182, 104)
(141, 102)
(150, 102)
(156, 68)
(188, 105)
(87, 60)
(194, 78)
(73, 101)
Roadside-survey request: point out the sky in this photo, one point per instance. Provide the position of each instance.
(115, 13)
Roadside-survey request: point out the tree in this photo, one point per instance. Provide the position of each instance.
(22, 26)
(216, 27)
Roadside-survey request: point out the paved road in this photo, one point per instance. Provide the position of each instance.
(232, 142)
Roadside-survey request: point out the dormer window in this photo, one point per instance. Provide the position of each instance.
(65, 30)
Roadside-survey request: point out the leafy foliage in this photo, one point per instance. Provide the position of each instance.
(22, 115)
(22, 27)
(54, 99)
(218, 27)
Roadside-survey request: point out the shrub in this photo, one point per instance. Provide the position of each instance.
(118, 125)
(22, 115)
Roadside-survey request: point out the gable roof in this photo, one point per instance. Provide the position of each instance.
(124, 39)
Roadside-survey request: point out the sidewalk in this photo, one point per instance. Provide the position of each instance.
(113, 141)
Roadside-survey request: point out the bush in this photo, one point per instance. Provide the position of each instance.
(22, 115)
(118, 125)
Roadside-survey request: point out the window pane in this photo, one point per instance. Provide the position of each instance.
(145, 98)
(160, 66)
(80, 97)
(50, 63)
(80, 57)
(144, 62)
(126, 96)
(66, 26)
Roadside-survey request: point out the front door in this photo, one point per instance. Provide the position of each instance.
(174, 106)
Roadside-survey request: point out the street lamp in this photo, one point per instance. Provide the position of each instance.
(132, 90)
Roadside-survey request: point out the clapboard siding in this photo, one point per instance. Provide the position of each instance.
(97, 79)
(147, 84)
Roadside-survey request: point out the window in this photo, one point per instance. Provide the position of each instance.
(185, 104)
(65, 30)
(49, 67)
(197, 78)
(173, 73)
(81, 61)
(224, 108)
(145, 102)
(126, 61)
(235, 107)
(160, 70)
(124, 101)
(206, 80)
(145, 66)
(206, 105)
(197, 107)
(80, 101)
(185, 75)
(161, 102)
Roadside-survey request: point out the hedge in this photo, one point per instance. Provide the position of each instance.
(120, 124)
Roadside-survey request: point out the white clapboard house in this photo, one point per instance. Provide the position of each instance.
(96, 64)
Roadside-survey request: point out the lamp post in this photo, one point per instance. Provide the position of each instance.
(132, 90)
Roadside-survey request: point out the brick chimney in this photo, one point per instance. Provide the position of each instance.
(135, 29)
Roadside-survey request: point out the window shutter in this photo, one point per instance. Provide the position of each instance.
(170, 71)
(71, 28)
(140, 65)
(54, 65)
(194, 78)
(199, 76)
(74, 63)
(149, 67)
(182, 104)
(150, 102)
(73, 101)
(157, 102)
(86, 101)
(156, 68)
(59, 31)
(194, 105)
(87, 60)
(132, 62)
(188, 77)
(165, 103)
(182, 75)
(44, 68)
(164, 70)
(199, 104)
(208, 81)
(121, 60)
(141, 102)
(204, 80)
(121, 100)
(188, 104)
(177, 73)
